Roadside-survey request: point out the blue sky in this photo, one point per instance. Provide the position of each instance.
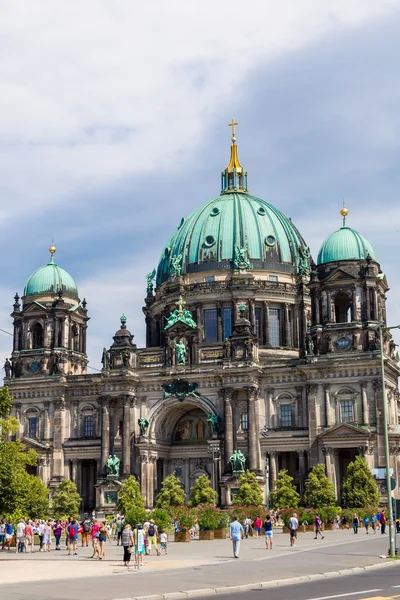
(113, 125)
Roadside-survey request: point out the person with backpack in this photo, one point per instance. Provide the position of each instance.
(268, 529)
(152, 532)
(86, 526)
(73, 537)
(318, 524)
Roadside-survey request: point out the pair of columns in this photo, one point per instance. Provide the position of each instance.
(252, 393)
(106, 446)
(274, 468)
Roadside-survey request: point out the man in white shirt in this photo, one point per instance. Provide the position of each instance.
(293, 526)
(20, 535)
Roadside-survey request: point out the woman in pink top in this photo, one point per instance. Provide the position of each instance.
(257, 527)
(29, 539)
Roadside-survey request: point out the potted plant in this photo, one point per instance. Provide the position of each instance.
(186, 518)
(208, 517)
(220, 529)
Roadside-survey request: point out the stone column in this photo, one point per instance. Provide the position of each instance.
(330, 465)
(328, 410)
(220, 336)
(126, 435)
(74, 462)
(252, 314)
(302, 470)
(300, 412)
(273, 469)
(199, 321)
(144, 461)
(288, 333)
(266, 324)
(58, 439)
(253, 433)
(105, 433)
(316, 309)
(329, 307)
(364, 400)
(46, 421)
(228, 418)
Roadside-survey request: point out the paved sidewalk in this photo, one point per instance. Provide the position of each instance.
(189, 566)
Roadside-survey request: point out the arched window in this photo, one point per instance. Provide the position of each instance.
(75, 338)
(88, 421)
(37, 336)
(372, 304)
(32, 423)
(342, 308)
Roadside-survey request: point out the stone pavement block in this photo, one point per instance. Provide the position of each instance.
(201, 592)
(175, 596)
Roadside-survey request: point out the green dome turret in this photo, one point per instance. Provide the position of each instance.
(345, 244)
(234, 230)
(51, 279)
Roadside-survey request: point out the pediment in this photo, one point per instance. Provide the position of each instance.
(344, 430)
(339, 275)
(35, 307)
(34, 444)
(78, 310)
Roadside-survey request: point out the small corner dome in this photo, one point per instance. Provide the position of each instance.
(345, 244)
(50, 279)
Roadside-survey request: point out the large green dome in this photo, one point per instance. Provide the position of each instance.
(345, 244)
(51, 279)
(207, 239)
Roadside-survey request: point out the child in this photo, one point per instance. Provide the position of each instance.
(163, 541)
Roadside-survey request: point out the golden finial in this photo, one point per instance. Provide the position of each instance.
(232, 124)
(344, 212)
(52, 249)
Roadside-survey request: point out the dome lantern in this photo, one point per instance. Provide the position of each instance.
(234, 177)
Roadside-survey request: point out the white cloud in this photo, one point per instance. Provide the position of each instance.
(91, 92)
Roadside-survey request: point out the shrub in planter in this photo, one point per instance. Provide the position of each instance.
(161, 518)
(185, 516)
(208, 517)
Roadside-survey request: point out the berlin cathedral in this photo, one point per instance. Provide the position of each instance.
(252, 348)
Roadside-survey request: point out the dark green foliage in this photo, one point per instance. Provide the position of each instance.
(129, 496)
(171, 493)
(201, 492)
(285, 494)
(66, 500)
(319, 491)
(359, 487)
(250, 493)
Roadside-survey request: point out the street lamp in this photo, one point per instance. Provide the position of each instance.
(392, 542)
(213, 449)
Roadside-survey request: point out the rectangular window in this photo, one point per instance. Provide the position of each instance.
(275, 327)
(33, 426)
(346, 411)
(257, 325)
(88, 425)
(286, 415)
(227, 322)
(210, 325)
(273, 278)
(244, 422)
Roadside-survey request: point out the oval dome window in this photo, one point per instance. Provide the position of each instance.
(209, 241)
(214, 212)
(270, 240)
(261, 211)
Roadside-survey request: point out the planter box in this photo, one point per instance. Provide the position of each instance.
(182, 536)
(206, 535)
(219, 534)
(327, 527)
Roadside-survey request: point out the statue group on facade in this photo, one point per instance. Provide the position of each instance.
(241, 258)
(238, 461)
(143, 426)
(113, 465)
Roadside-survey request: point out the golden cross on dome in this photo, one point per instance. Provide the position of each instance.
(181, 303)
(233, 128)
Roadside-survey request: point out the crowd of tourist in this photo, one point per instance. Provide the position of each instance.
(91, 531)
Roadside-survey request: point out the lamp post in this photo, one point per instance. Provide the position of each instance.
(392, 542)
(213, 449)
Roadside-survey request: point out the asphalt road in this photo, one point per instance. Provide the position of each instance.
(371, 585)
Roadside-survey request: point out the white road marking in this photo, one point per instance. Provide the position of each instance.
(346, 595)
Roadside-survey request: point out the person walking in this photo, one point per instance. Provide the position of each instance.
(127, 542)
(247, 522)
(268, 529)
(383, 522)
(119, 527)
(257, 527)
(29, 538)
(318, 524)
(103, 536)
(366, 521)
(163, 541)
(86, 531)
(9, 534)
(236, 533)
(94, 532)
(138, 536)
(373, 523)
(47, 537)
(152, 532)
(293, 526)
(40, 531)
(355, 523)
(57, 530)
(20, 536)
(73, 537)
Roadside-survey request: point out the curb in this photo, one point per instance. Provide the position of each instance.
(260, 585)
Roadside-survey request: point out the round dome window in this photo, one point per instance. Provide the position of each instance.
(270, 240)
(214, 212)
(343, 343)
(261, 211)
(209, 241)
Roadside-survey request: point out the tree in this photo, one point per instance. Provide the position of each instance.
(171, 493)
(66, 500)
(285, 494)
(201, 492)
(319, 491)
(37, 498)
(250, 493)
(129, 496)
(359, 487)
